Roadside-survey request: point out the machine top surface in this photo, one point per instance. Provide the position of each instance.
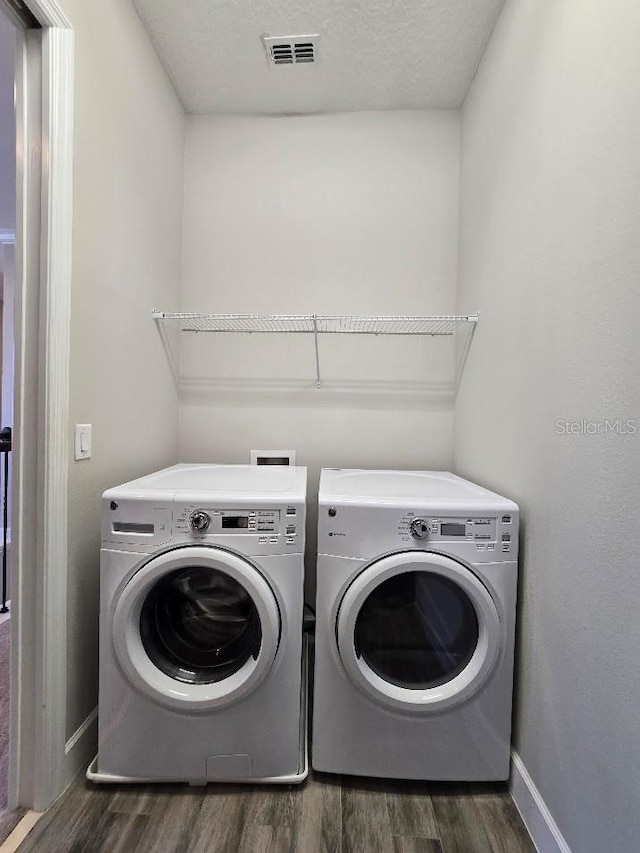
(402, 487)
(221, 480)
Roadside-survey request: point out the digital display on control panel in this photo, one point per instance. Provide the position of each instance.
(452, 529)
(235, 522)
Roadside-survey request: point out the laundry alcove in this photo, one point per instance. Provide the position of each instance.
(361, 193)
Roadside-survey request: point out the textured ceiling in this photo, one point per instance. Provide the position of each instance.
(373, 54)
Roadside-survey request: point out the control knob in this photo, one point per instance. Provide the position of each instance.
(200, 521)
(419, 528)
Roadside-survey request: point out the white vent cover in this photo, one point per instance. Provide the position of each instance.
(283, 51)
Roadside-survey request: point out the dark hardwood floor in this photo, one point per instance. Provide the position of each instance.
(326, 814)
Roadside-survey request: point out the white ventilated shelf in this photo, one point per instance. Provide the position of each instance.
(323, 324)
(320, 323)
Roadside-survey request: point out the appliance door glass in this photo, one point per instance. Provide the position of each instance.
(200, 625)
(418, 631)
(196, 627)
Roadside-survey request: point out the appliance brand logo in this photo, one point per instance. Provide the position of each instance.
(332, 533)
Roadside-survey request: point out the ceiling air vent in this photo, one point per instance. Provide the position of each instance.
(291, 50)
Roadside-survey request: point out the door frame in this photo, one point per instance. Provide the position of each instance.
(39, 765)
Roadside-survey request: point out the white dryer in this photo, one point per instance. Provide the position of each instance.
(201, 601)
(415, 626)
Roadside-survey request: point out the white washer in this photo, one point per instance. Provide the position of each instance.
(415, 626)
(201, 600)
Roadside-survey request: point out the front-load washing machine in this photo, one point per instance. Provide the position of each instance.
(415, 625)
(201, 605)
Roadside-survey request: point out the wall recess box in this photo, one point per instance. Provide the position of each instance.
(273, 457)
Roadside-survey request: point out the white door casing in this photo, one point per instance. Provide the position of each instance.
(40, 767)
(430, 699)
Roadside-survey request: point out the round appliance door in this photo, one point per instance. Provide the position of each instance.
(196, 628)
(418, 631)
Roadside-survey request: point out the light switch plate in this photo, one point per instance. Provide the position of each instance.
(82, 441)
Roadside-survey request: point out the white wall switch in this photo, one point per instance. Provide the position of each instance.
(83, 441)
(273, 457)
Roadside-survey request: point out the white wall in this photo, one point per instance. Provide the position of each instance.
(7, 289)
(7, 225)
(129, 145)
(7, 209)
(342, 214)
(7, 125)
(550, 255)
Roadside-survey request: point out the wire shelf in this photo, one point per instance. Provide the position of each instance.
(317, 323)
(247, 323)
(321, 324)
(391, 325)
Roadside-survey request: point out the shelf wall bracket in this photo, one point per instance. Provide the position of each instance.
(470, 327)
(315, 338)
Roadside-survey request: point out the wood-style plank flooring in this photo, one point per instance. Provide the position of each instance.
(327, 814)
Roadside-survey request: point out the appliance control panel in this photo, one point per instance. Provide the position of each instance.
(448, 528)
(259, 530)
(483, 534)
(207, 520)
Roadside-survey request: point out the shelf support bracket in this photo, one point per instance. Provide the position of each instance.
(471, 325)
(315, 338)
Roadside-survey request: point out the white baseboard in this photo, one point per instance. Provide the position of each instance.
(82, 745)
(537, 818)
